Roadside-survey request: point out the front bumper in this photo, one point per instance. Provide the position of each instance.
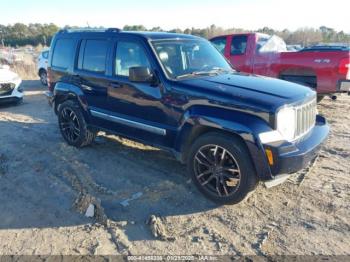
(15, 95)
(10, 100)
(292, 157)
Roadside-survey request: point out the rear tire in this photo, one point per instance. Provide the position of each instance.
(73, 126)
(221, 168)
(43, 77)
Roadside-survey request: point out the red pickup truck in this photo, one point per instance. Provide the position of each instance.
(326, 69)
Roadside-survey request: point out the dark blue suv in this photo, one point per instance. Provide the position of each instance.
(178, 93)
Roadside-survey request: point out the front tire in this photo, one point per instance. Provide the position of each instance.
(73, 126)
(221, 168)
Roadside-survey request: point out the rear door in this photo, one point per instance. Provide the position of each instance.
(91, 70)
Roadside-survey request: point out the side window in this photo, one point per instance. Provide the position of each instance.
(46, 54)
(63, 53)
(93, 57)
(239, 45)
(129, 54)
(220, 44)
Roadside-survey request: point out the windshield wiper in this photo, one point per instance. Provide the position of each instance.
(196, 73)
(220, 69)
(214, 70)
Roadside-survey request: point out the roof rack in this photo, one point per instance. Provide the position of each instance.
(77, 30)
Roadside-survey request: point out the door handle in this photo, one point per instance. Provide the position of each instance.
(115, 85)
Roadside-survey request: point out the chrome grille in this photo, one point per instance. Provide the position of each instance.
(305, 118)
(6, 89)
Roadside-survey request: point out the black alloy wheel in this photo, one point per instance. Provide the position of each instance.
(221, 167)
(217, 170)
(69, 125)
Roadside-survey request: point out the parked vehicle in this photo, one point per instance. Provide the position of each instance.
(327, 71)
(178, 93)
(10, 90)
(42, 66)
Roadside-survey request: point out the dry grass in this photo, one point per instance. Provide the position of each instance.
(26, 71)
(25, 67)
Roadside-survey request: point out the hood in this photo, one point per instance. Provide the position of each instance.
(251, 90)
(8, 76)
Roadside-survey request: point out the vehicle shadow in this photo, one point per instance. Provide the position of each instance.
(41, 177)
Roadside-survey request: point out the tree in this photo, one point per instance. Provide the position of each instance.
(157, 29)
(134, 28)
(176, 30)
(187, 31)
(267, 30)
(33, 34)
(20, 34)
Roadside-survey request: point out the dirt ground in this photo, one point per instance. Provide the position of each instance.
(46, 186)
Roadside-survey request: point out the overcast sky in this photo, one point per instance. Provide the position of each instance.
(247, 14)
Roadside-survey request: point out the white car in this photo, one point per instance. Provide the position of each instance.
(42, 66)
(10, 90)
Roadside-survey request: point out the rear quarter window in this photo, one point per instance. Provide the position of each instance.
(93, 57)
(63, 53)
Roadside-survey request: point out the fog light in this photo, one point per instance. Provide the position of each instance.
(269, 156)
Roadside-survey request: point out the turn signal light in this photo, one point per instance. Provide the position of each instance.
(269, 156)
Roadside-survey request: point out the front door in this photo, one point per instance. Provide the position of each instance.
(238, 53)
(137, 109)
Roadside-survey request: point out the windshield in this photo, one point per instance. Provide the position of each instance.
(190, 58)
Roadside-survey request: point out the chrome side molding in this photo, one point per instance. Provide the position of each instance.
(130, 123)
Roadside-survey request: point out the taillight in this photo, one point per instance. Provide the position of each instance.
(344, 66)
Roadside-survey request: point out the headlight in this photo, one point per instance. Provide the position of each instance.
(286, 123)
(7, 86)
(16, 80)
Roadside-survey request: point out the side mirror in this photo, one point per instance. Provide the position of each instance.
(140, 74)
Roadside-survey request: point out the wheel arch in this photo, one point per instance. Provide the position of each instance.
(65, 91)
(196, 125)
(41, 70)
